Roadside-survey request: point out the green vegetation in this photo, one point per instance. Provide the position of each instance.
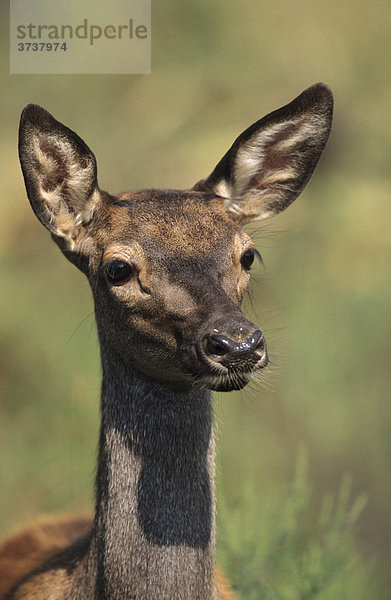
(322, 298)
(273, 552)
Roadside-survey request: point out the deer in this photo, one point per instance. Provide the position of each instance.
(168, 270)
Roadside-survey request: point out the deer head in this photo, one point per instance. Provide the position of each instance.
(169, 269)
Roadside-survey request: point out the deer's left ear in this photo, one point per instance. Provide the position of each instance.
(270, 163)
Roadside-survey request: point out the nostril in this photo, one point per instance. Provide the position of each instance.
(222, 346)
(259, 344)
(216, 345)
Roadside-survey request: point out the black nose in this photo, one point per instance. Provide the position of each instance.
(232, 353)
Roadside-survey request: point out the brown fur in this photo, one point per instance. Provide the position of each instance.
(27, 549)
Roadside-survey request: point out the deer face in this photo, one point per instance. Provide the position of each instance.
(170, 276)
(169, 269)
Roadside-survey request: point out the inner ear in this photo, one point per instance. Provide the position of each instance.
(269, 164)
(60, 174)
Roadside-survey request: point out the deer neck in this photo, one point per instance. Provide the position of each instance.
(154, 526)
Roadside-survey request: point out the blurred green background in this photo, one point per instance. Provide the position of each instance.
(296, 454)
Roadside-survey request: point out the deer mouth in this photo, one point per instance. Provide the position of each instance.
(217, 373)
(227, 382)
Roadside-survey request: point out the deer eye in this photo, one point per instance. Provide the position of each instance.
(248, 258)
(118, 272)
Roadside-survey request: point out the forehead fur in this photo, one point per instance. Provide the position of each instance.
(177, 221)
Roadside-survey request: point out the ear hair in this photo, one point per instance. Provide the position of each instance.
(60, 174)
(270, 162)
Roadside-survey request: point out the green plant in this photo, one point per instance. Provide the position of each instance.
(277, 551)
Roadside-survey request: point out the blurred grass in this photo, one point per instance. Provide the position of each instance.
(322, 298)
(292, 558)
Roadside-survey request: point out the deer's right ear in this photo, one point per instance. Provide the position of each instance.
(60, 175)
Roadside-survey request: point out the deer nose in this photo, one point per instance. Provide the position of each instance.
(233, 353)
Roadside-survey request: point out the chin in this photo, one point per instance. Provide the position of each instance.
(227, 383)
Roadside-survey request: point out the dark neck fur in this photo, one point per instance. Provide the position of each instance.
(154, 525)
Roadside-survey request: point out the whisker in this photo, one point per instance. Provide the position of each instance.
(80, 324)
